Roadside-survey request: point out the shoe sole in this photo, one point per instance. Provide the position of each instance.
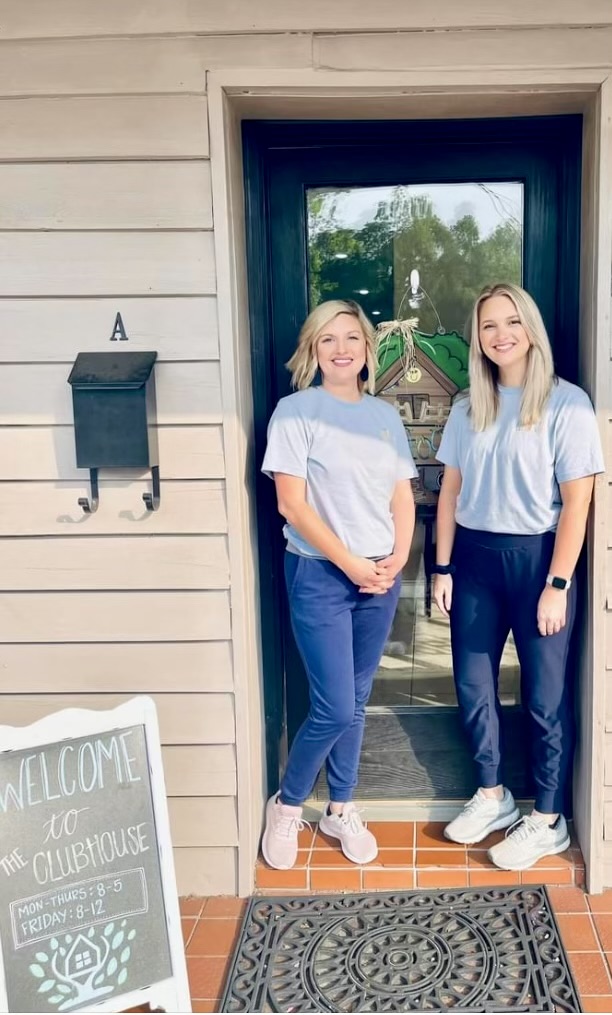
(526, 866)
(495, 826)
(353, 859)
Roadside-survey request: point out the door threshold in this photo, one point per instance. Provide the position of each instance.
(403, 810)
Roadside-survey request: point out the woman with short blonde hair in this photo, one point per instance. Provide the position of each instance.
(304, 363)
(342, 466)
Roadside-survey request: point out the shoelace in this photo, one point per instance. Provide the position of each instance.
(523, 828)
(352, 820)
(474, 804)
(286, 825)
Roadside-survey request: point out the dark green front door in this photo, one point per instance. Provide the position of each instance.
(350, 211)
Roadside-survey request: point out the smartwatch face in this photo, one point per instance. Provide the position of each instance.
(558, 583)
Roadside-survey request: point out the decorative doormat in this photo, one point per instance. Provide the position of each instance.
(484, 950)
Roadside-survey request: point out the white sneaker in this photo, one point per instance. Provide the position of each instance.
(357, 843)
(528, 841)
(482, 815)
(279, 843)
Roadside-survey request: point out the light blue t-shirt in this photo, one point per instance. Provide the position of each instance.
(351, 455)
(510, 475)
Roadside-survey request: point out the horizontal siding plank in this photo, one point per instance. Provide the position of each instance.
(183, 719)
(203, 821)
(200, 771)
(95, 263)
(452, 50)
(39, 19)
(121, 668)
(100, 563)
(38, 395)
(114, 616)
(194, 452)
(106, 195)
(51, 509)
(205, 872)
(104, 127)
(90, 66)
(55, 330)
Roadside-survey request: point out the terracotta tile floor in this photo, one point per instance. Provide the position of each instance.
(411, 856)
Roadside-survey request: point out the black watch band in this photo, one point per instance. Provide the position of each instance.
(443, 569)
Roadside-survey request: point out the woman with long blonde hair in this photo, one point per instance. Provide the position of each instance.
(342, 466)
(520, 453)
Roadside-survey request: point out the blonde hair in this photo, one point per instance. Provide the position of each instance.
(304, 362)
(539, 379)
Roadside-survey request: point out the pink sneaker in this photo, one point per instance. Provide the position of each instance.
(279, 844)
(358, 844)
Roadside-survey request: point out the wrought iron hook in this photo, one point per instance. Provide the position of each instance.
(90, 506)
(152, 500)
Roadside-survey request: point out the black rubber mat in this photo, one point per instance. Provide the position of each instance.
(476, 950)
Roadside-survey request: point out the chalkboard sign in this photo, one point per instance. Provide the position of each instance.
(89, 917)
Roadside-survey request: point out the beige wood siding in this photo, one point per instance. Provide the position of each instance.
(117, 667)
(450, 50)
(35, 452)
(55, 330)
(137, 195)
(134, 65)
(40, 393)
(37, 19)
(91, 264)
(106, 207)
(24, 511)
(108, 127)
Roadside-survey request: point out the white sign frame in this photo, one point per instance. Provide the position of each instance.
(172, 994)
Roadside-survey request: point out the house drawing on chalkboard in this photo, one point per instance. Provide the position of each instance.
(83, 956)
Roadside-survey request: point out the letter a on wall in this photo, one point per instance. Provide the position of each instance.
(119, 331)
(89, 914)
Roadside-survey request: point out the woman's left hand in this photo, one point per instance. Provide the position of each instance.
(552, 608)
(388, 569)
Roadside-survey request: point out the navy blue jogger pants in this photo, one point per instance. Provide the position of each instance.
(496, 587)
(340, 634)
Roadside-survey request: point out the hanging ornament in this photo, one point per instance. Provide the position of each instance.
(388, 334)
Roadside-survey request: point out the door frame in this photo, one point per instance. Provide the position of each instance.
(238, 93)
(281, 158)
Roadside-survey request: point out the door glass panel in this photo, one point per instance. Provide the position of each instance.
(363, 244)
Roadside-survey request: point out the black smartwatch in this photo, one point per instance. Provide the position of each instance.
(443, 569)
(558, 583)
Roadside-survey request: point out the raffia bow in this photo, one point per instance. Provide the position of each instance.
(387, 330)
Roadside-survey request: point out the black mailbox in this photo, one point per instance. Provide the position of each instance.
(113, 396)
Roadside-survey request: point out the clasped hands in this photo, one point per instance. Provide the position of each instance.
(374, 577)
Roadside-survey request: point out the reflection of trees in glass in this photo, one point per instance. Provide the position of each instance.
(454, 261)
